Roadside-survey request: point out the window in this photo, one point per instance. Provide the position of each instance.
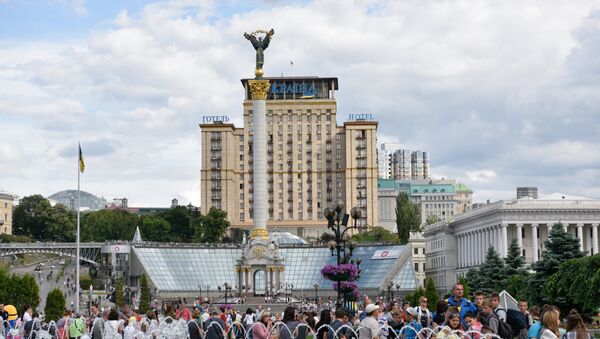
(416, 251)
(416, 267)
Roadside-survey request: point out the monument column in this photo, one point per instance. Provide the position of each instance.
(259, 89)
(504, 240)
(580, 235)
(520, 236)
(534, 241)
(594, 249)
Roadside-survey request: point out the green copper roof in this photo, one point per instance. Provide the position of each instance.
(462, 188)
(386, 183)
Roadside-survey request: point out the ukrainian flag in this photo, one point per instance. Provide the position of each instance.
(81, 163)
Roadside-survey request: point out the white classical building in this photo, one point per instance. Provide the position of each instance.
(453, 246)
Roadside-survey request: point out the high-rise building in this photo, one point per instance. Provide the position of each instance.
(385, 161)
(312, 161)
(527, 192)
(6, 207)
(419, 165)
(397, 162)
(401, 165)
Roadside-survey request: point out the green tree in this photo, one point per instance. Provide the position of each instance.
(515, 263)
(432, 219)
(560, 247)
(36, 218)
(119, 294)
(180, 219)
(376, 234)
(413, 298)
(517, 286)
(214, 225)
(155, 228)
(474, 278)
(575, 285)
(431, 294)
(108, 224)
(55, 305)
(144, 294)
(408, 217)
(491, 273)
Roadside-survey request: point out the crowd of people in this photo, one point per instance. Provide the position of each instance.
(453, 318)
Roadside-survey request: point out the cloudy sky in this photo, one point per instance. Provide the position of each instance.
(501, 93)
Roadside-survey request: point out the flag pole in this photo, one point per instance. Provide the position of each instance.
(77, 237)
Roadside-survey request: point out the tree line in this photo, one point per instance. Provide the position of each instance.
(563, 277)
(37, 219)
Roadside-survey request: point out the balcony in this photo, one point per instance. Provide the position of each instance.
(361, 137)
(215, 168)
(290, 151)
(216, 198)
(361, 145)
(361, 155)
(215, 147)
(309, 141)
(361, 186)
(215, 138)
(216, 188)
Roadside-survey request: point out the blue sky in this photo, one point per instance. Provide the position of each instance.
(502, 94)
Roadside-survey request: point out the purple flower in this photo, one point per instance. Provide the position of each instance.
(333, 272)
(346, 285)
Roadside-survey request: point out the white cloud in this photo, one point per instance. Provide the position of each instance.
(485, 87)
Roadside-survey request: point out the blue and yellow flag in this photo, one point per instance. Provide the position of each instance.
(81, 163)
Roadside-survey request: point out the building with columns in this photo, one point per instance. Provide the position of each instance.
(453, 246)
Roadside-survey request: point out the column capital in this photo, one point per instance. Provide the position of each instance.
(503, 225)
(579, 224)
(595, 225)
(535, 225)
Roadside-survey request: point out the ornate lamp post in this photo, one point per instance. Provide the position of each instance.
(337, 221)
(389, 287)
(397, 291)
(316, 286)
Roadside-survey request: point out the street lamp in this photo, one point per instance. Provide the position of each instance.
(316, 286)
(389, 287)
(398, 291)
(337, 221)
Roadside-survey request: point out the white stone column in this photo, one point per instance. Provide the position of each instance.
(463, 257)
(550, 229)
(594, 239)
(259, 90)
(504, 239)
(471, 252)
(495, 237)
(468, 249)
(580, 235)
(520, 236)
(534, 241)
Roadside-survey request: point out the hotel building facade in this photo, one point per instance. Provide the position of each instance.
(311, 160)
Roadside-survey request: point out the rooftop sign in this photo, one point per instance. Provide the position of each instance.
(214, 118)
(361, 116)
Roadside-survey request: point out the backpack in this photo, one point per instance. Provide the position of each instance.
(504, 329)
(76, 328)
(516, 320)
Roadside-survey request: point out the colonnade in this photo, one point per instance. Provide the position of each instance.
(472, 246)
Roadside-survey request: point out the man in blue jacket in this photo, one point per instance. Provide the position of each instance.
(464, 305)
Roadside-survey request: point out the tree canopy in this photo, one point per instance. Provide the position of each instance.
(376, 234)
(408, 217)
(34, 217)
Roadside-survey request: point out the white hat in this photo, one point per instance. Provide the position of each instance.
(370, 308)
(412, 311)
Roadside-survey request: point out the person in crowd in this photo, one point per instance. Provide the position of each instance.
(534, 311)
(370, 326)
(479, 297)
(27, 313)
(98, 325)
(194, 328)
(113, 326)
(214, 326)
(289, 319)
(487, 316)
(439, 316)
(498, 310)
(31, 327)
(169, 311)
(487, 333)
(249, 319)
(453, 327)
(262, 329)
(338, 322)
(183, 313)
(463, 304)
(323, 331)
(413, 326)
(76, 326)
(524, 308)
(550, 324)
(137, 315)
(575, 327)
(473, 323)
(94, 314)
(130, 330)
(536, 328)
(396, 325)
(391, 308)
(62, 324)
(423, 314)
